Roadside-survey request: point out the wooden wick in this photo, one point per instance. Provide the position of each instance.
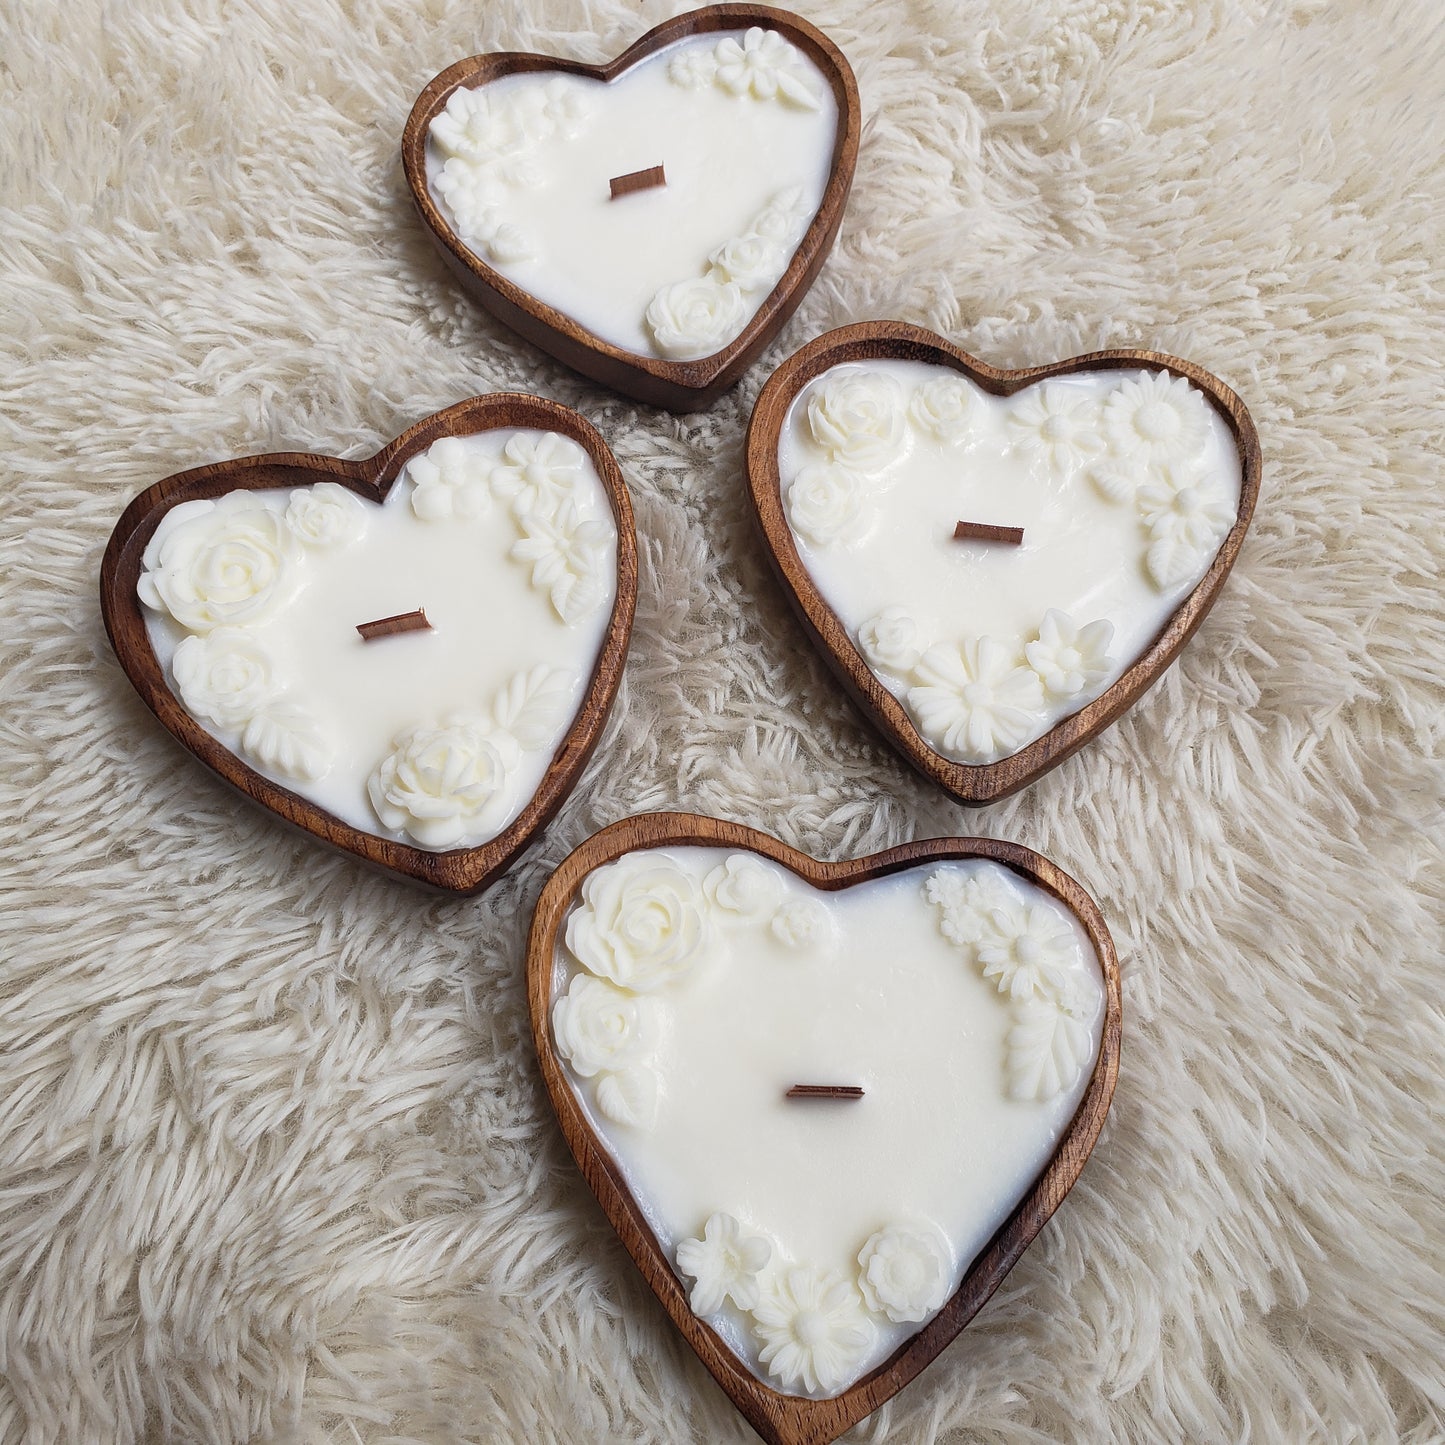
(985, 532)
(402, 622)
(824, 1091)
(637, 181)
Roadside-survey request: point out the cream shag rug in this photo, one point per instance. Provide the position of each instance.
(275, 1162)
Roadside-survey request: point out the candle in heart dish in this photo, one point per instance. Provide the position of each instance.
(743, 125)
(1123, 485)
(435, 732)
(955, 1008)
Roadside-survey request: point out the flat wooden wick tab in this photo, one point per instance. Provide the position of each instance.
(637, 181)
(387, 626)
(986, 532)
(824, 1091)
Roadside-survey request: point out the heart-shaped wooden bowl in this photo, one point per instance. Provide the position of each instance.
(461, 870)
(675, 385)
(975, 783)
(790, 1419)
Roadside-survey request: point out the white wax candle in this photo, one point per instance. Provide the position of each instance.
(1125, 484)
(744, 126)
(505, 540)
(696, 986)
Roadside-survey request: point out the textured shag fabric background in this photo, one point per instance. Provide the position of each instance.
(275, 1163)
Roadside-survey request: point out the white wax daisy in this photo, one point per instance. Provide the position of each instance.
(1056, 424)
(724, 1264)
(905, 1271)
(1069, 659)
(1157, 416)
(811, 1328)
(1028, 952)
(975, 702)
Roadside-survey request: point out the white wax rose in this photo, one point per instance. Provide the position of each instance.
(600, 1027)
(642, 922)
(438, 783)
(825, 504)
(905, 1271)
(891, 639)
(754, 262)
(691, 319)
(800, 923)
(224, 677)
(228, 563)
(857, 418)
(947, 407)
(326, 515)
(744, 885)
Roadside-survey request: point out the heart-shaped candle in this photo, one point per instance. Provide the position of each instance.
(997, 563)
(825, 1105)
(411, 656)
(652, 222)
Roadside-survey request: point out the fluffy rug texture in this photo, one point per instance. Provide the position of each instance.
(275, 1161)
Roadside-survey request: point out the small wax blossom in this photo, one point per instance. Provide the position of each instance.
(812, 1328)
(905, 1271)
(724, 1264)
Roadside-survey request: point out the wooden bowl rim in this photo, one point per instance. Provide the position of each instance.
(679, 385)
(458, 870)
(976, 783)
(788, 1419)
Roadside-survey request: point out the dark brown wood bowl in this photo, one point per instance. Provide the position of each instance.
(674, 385)
(460, 870)
(975, 783)
(790, 1419)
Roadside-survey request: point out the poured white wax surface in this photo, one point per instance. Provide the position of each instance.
(488, 625)
(883, 1001)
(602, 261)
(1082, 553)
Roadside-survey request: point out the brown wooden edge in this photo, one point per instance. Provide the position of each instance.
(975, 783)
(786, 1419)
(674, 385)
(462, 870)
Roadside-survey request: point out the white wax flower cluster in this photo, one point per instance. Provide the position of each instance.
(814, 1326)
(444, 785)
(694, 318)
(1030, 955)
(488, 142)
(541, 479)
(1144, 442)
(760, 66)
(642, 925)
(220, 569)
(983, 698)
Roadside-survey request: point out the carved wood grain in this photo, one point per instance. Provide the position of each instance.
(788, 1419)
(460, 870)
(674, 385)
(975, 783)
